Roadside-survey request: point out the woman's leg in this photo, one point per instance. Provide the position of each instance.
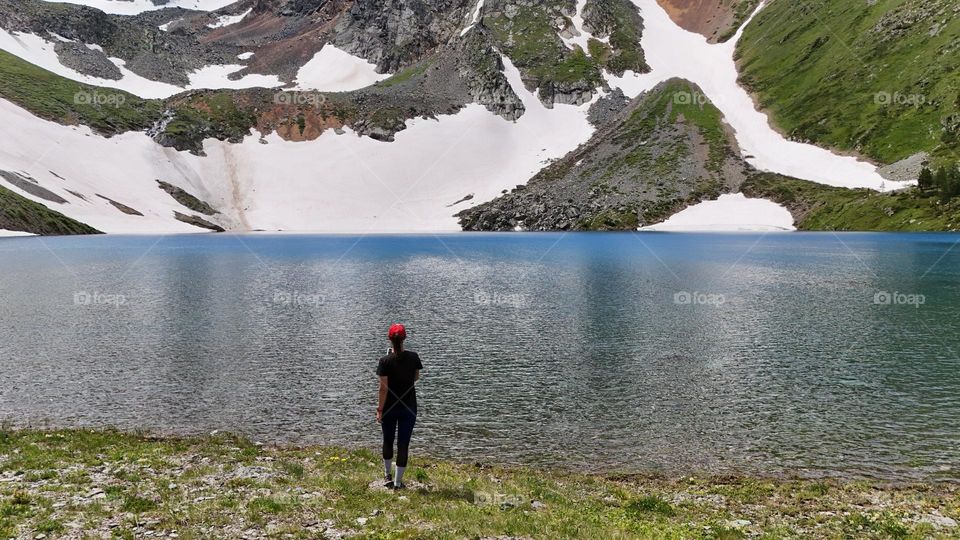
(389, 426)
(406, 420)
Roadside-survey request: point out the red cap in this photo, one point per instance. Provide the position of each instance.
(397, 331)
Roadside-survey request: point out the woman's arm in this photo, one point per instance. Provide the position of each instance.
(383, 398)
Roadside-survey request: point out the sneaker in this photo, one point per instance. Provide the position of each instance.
(388, 482)
(398, 486)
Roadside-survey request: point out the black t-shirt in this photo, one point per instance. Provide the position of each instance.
(401, 374)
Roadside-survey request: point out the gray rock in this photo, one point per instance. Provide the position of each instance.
(907, 169)
(32, 187)
(939, 521)
(398, 33)
(88, 61)
(608, 107)
(481, 69)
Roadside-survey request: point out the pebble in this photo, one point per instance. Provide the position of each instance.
(738, 523)
(939, 520)
(361, 521)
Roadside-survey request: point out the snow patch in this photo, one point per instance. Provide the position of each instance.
(134, 7)
(245, 56)
(218, 77)
(5, 233)
(123, 168)
(674, 52)
(729, 213)
(227, 20)
(334, 70)
(345, 183)
(474, 19)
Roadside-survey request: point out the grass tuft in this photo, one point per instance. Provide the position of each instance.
(650, 504)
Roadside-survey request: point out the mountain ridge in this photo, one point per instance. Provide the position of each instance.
(443, 58)
(662, 153)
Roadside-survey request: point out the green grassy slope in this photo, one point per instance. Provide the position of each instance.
(816, 207)
(104, 484)
(881, 78)
(18, 213)
(52, 97)
(109, 111)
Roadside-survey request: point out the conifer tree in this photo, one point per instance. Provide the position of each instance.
(941, 178)
(925, 181)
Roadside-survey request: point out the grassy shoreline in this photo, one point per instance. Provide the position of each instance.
(108, 484)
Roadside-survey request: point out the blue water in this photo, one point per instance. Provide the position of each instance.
(809, 354)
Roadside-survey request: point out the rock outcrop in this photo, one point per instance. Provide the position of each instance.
(481, 68)
(717, 20)
(660, 154)
(397, 33)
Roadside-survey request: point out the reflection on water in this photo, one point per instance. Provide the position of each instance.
(721, 353)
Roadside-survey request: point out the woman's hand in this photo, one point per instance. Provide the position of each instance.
(379, 416)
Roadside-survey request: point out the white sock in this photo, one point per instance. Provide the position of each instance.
(399, 479)
(387, 463)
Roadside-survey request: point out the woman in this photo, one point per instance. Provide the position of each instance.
(397, 410)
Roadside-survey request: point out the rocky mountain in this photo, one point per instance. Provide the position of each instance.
(355, 115)
(664, 151)
(439, 67)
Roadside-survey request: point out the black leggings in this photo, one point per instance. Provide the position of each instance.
(399, 420)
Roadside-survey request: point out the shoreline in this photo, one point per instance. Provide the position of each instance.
(467, 234)
(75, 482)
(548, 466)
